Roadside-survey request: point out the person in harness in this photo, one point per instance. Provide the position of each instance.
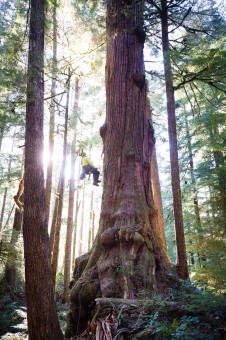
(88, 168)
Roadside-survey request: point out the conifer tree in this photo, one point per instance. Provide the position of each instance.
(175, 177)
(41, 310)
(70, 219)
(52, 113)
(127, 238)
(56, 244)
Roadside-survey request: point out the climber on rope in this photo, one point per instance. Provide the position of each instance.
(88, 168)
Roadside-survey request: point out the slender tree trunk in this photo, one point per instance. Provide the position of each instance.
(80, 248)
(195, 195)
(157, 197)
(54, 219)
(6, 223)
(56, 245)
(3, 208)
(52, 115)
(192, 255)
(90, 214)
(174, 163)
(1, 136)
(156, 189)
(127, 253)
(90, 221)
(193, 180)
(77, 205)
(219, 159)
(6, 189)
(41, 310)
(68, 245)
(93, 227)
(11, 264)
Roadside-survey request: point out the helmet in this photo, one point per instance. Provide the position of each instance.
(81, 153)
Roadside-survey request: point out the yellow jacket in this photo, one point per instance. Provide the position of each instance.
(86, 161)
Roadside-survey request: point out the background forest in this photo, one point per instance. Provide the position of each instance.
(74, 110)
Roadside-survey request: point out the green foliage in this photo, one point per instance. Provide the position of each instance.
(201, 64)
(92, 14)
(59, 286)
(186, 328)
(202, 144)
(212, 273)
(12, 88)
(198, 58)
(182, 313)
(208, 302)
(143, 293)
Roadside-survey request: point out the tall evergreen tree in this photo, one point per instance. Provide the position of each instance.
(56, 244)
(41, 310)
(127, 254)
(194, 19)
(70, 218)
(175, 176)
(52, 113)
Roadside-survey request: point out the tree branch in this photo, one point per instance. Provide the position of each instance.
(58, 94)
(184, 17)
(153, 3)
(193, 78)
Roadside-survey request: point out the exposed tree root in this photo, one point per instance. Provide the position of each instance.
(121, 319)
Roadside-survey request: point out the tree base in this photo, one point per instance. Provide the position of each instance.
(178, 312)
(90, 312)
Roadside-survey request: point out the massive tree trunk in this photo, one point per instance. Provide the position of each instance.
(127, 255)
(174, 163)
(41, 311)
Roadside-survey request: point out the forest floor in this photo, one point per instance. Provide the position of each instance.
(179, 314)
(13, 316)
